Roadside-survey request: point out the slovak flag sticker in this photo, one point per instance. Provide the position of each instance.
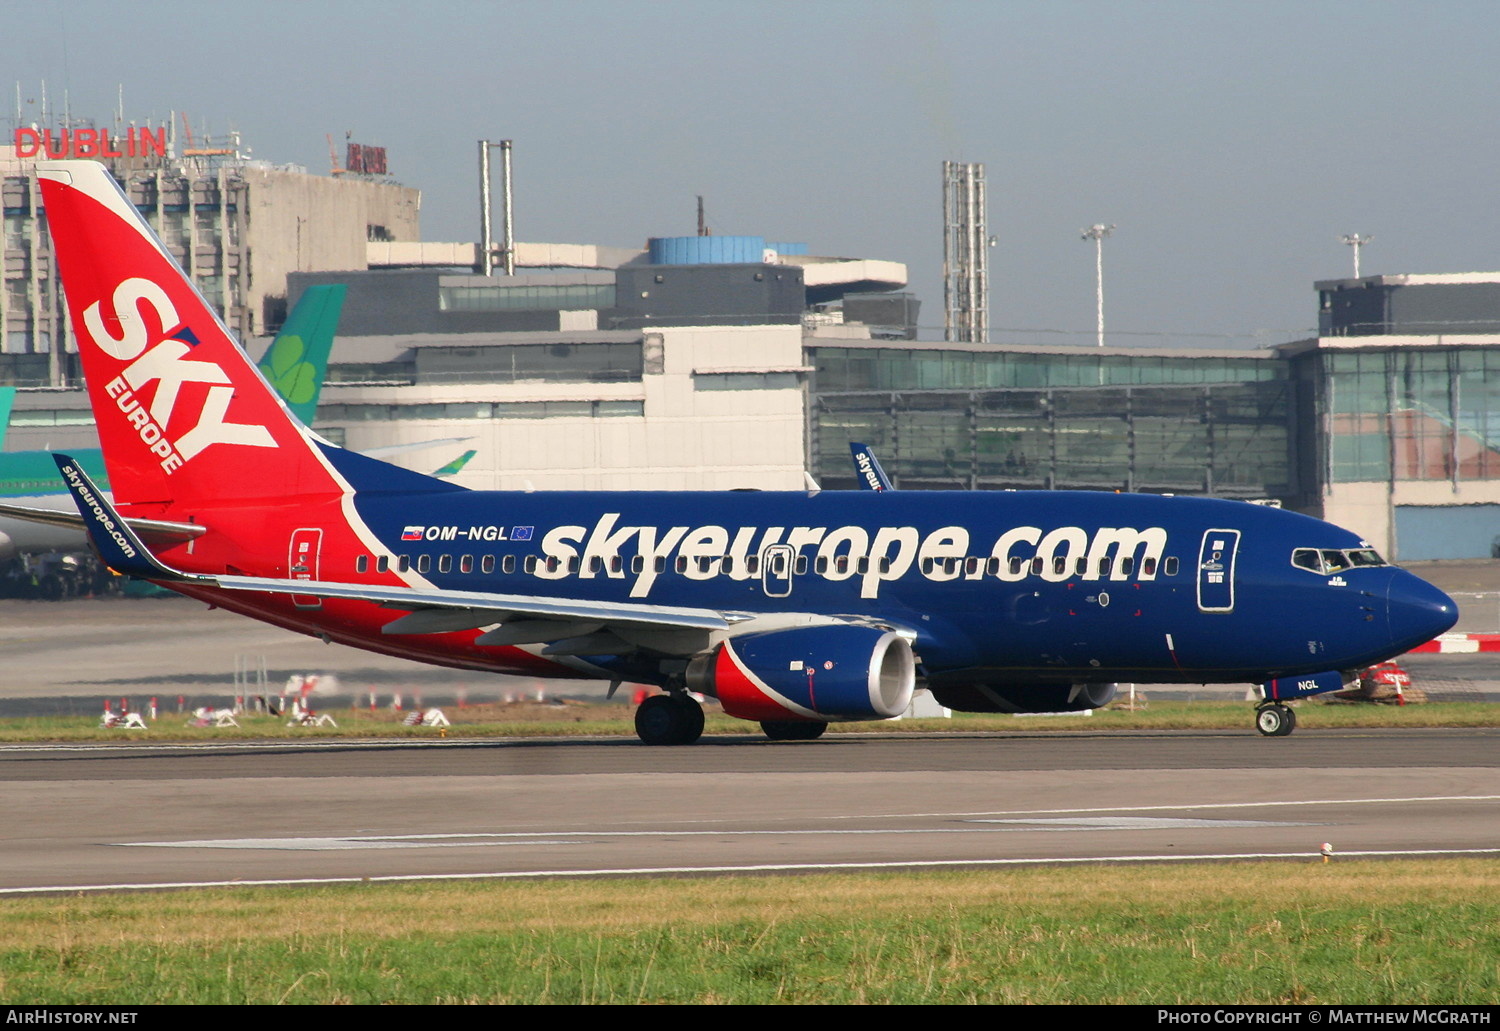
(412, 533)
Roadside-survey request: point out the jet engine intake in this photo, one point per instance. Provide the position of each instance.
(826, 673)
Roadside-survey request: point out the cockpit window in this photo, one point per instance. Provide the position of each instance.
(1335, 561)
(1331, 560)
(1308, 558)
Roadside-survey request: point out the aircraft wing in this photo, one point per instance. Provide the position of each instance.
(577, 626)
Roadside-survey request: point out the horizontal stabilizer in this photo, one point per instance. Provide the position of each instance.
(159, 532)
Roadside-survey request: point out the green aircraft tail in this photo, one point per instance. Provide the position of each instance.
(453, 467)
(297, 361)
(7, 395)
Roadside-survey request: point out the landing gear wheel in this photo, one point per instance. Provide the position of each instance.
(1275, 720)
(793, 730)
(669, 720)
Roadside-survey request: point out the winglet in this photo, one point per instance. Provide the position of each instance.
(111, 535)
(867, 468)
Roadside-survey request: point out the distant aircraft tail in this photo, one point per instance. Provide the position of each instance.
(296, 363)
(7, 396)
(182, 413)
(867, 468)
(454, 467)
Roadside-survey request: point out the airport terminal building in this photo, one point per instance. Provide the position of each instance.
(721, 362)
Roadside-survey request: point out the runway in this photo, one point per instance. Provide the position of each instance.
(101, 817)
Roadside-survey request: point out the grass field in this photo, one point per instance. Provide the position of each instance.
(1348, 933)
(583, 719)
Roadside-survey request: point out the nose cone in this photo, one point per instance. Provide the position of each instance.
(1417, 611)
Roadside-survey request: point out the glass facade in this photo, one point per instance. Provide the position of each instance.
(564, 297)
(896, 368)
(536, 363)
(480, 410)
(1411, 414)
(943, 419)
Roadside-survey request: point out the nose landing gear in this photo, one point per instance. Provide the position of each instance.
(1275, 720)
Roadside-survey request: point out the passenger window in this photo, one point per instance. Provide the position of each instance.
(801, 565)
(424, 563)
(362, 564)
(530, 564)
(508, 564)
(1170, 566)
(1037, 565)
(637, 563)
(1059, 565)
(1104, 565)
(383, 564)
(1016, 562)
(682, 563)
(445, 563)
(466, 564)
(971, 565)
(403, 562)
(1148, 567)
(752, 564)
(487, 564)
(1127, 565)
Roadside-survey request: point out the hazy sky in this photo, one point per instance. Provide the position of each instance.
(1232, 143)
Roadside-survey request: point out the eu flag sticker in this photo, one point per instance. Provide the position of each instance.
(521, 533)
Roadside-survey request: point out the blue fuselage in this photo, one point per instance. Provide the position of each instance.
(998, 587)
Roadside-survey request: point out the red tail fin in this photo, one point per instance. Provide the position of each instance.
(183, 415)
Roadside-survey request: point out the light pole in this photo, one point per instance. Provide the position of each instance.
(1356, 241)
(1097, 232)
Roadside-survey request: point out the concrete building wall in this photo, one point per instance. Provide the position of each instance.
(298, 222)
(677, 427)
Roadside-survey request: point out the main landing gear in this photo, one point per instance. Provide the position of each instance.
(793, 730)
(669, 719)
(1275, 720)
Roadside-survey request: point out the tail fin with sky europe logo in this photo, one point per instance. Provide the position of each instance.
(793, 609)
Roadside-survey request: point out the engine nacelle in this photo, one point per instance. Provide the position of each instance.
(825, 673)
(1023, 697)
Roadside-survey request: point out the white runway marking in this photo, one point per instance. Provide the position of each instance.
(1134, 823)
(1277, 803)
(384, 841)
(657, 871)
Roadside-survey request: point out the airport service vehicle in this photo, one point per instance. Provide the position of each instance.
(793, 609)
